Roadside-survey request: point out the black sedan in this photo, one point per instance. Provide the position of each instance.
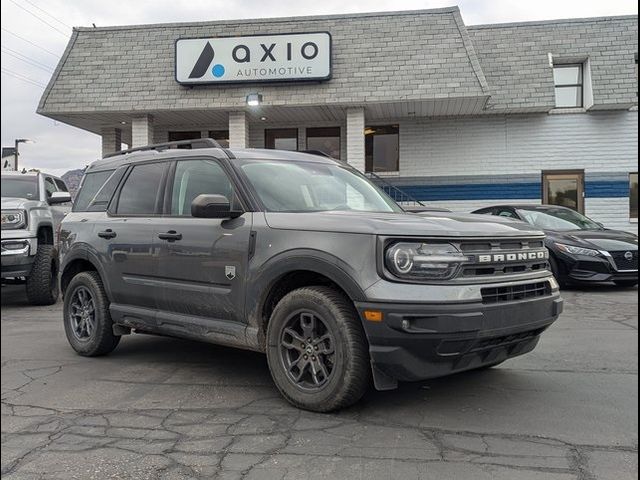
(582, 251)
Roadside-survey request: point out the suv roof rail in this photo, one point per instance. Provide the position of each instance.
(195, 143)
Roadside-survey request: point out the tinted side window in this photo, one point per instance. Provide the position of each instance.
(101, 200)
(91, 183)
(61, 185)
(196, 177)
(141, 190)
(49, 186)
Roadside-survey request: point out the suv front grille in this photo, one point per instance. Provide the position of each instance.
(507, 257)
(623, 263)
(515, 292)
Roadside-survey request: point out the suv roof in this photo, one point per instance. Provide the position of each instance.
(204, 146)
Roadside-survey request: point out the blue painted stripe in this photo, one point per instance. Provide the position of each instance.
(507, 191)
(607, 189)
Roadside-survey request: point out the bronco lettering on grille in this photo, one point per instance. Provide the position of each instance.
(514, 257)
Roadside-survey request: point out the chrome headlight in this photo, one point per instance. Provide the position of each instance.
(573, 250)
(13, 219)
(423, 261)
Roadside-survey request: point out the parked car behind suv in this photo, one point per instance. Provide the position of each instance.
(582, 250)
(301, 257)
(33, 205)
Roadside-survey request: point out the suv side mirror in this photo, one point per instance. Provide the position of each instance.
(59, 197)
(213, 206)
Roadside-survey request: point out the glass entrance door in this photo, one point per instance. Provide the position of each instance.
(565, 189)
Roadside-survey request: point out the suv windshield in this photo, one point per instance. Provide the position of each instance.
(20, 187)
(312, 187)
(560, 219)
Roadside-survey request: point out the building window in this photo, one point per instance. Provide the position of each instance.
(382, 148)
(281, 138)
(325, 140)
(633, 195)
(569, 80)
(564, 188)
(178, 136)
(220, 136)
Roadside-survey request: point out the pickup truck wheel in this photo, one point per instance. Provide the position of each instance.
(317, 350)
(87, 321)
(42, 282)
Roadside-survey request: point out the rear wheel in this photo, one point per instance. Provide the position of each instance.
(42, 282)
(626, 283)
(317, 350)
(87, 321)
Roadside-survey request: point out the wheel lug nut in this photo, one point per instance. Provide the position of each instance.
(316, 348)
(305, 357)
(313, 358)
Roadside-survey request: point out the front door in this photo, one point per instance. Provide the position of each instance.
(564, 188)
(203, 261)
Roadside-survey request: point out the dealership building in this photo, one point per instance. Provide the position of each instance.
(453, 115)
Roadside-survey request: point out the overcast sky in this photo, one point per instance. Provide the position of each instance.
(35, 33)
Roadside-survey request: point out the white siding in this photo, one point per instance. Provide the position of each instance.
(519, 144)
(612, 212)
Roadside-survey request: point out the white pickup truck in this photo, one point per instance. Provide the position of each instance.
(33, 205)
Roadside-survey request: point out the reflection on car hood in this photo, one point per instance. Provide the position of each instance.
(404, 224)
(14, 203)
(609, 240)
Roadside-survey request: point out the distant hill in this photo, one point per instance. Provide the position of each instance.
(72, 178)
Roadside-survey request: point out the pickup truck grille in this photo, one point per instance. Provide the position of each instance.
(504, 258)
(623, 263)
(515, 292)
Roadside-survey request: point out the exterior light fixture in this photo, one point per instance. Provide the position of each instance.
(254, 99)
(264, 119)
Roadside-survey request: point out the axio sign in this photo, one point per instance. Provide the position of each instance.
(260, 58)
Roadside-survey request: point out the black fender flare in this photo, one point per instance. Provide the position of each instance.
(81, 252)
(265, 277)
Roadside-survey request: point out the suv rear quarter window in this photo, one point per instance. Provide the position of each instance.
(91, 183)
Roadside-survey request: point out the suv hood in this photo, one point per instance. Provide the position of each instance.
(402, 224)
(609, 240)
(14, 203)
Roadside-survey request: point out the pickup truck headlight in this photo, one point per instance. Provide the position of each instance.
(424, 261)
(573, 250)
(13, 219)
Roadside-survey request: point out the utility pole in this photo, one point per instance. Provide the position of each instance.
(18, 141)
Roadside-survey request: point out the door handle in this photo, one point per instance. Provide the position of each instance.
(171, 236)
(108, 233)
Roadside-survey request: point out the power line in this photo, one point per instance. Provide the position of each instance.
(47, 13)
(26, 60)
(30, 42)
(15, 52)
(39, 18)
(22, 78)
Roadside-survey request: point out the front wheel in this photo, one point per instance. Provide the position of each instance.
(87, 321)
(626, 283)
(42, 282)
(317, 350)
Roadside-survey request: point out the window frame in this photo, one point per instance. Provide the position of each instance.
(271, 130)
(580, 174)
(556, 86)
(167, 202)
(632, 219)
(112, 210)
(372, 170)
(325, 129)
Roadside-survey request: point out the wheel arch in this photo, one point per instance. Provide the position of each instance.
(78, 262)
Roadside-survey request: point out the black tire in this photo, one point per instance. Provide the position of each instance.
(42, 282)
(626, 283)
(100, 340)
(350, 370)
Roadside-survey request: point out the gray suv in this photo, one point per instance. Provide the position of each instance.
(300, 257)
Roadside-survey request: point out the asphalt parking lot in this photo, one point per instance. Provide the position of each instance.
(165, 408)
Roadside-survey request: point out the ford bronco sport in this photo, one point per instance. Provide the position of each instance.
(301, 257)
(33, 205)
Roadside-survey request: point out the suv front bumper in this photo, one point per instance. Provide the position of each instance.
(421, 341)
(17, 256)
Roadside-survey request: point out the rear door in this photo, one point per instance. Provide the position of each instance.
(125, 238)
(202, 261)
